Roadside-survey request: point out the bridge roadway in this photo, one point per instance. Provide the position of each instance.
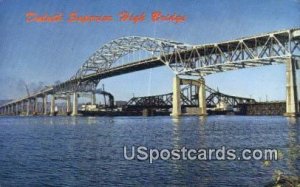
(201, 60)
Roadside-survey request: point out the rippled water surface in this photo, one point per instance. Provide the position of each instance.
(81, 151)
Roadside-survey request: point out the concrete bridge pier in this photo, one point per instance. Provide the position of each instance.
(292, 106)
(13, 109)
(68, 104)
(28, 107)
(16, 108)
(52, 106)
(23, 107)
(176, 103)
(202, 98)
(19, 109)
(75, 104)
(93, 98)
(45, 105)
(35, 108)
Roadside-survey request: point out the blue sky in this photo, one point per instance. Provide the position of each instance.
(42, 53)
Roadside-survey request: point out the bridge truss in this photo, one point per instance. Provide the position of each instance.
(184, 59)
(189, 98)
(107, 56)
(266, 49)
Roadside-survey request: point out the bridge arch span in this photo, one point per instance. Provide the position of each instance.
(110, 52)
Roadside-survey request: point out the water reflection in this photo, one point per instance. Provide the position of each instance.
(202, 120)
(293, 146)
(91, 120)
(189, 132)
(176, 120)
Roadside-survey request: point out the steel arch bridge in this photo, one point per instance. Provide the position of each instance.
(278, 47)
(184, 59)
(106, 56)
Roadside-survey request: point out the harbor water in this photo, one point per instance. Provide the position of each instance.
(89, 151)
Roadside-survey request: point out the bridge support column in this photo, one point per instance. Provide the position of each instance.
(202, 98)
(28, 107)
(15, 106)
(52, 106)
(93, 98)
(292, 105)
(12, 109)
(35, 105)
(21, 107)
(45, 105)
(176, 103)
(75, 104)
(68, 104)
(15, 109)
